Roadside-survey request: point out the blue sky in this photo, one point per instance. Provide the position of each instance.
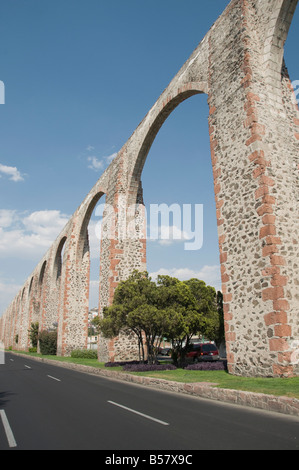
(79, 77)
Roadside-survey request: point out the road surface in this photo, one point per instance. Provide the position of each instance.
(45, 407)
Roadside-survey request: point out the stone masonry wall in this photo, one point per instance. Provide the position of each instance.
(254, 135)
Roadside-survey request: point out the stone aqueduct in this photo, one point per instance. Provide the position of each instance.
(254, 135)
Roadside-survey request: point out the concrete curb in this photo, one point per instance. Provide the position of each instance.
(278, 404)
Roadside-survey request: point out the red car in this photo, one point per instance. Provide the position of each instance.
(203, 352)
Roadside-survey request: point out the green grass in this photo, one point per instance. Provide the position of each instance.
(81, 361)
(271, 386)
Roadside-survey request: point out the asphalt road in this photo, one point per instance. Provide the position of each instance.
(44, 407)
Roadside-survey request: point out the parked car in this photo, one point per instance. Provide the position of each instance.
(164, 351)
(203, 352)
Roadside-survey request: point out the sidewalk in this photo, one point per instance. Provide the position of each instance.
(284, 405)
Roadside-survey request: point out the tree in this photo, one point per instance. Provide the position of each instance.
(134, 306)
(185, 318)
(177, 310)
(95, 326)
(33, 334)
(153, 322)
(221, 331)
(206, 299)
(48, 342)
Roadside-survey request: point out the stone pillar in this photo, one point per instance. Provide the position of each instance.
(123, 250)
(74, 296)
(254, 145)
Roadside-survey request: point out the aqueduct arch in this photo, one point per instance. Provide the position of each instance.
(58, 260)
(158, 117)
(254, 134)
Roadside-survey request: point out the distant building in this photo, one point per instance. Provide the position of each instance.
(92, 341)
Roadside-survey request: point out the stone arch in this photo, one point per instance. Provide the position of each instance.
(42, 274)
(30, 286)
(58, 261)
(31, 307)
(23, 314)
(23, 293)
(252, 124)
(74, 287)
(83, 242)
(275, 36)
(83, 258)
(122, 257)
(160, 116)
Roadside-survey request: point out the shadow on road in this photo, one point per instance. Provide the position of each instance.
(4, 398)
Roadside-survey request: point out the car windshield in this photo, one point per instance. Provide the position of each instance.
(209, 347)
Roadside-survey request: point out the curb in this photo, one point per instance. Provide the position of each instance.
(207, 390)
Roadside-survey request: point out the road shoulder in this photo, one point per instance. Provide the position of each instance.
(272, 403)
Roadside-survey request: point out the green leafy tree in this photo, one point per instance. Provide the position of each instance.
(131, 297)
(220, 338)
(33, 334)
(206, 299)
(185, 319)
(48, 342)
(153, 322)
(95, 326)
(177, 310)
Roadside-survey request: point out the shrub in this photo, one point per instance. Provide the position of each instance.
(148, 367)
(119, 364)
(33, 334)
(48, 342)
(84, 354)
(219, 365)
(32, 350)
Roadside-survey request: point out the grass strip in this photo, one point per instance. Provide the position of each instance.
(288, 387)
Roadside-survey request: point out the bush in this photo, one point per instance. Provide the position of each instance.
(32, 350)
(219, 365)
(84, 354)
(33, 334)
(48, 343)
(148, 367)
(120, 364)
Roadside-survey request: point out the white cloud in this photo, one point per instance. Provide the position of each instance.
(46, 224)
(24, 239)
(171, 234)
(8, 290)
(6, 218)
(94, 228)
(96, 164)
(209, 274)
(94, 294)
(26, 236)
(12, 172)
(110, 158)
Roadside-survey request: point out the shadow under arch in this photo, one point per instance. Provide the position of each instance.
(83, 244)
(30, 286)
(58, 261)
(276, 36)
(42, 274)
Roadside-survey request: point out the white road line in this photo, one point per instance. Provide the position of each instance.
(138, 413)
(54, 378)
(8, 431)
(27, 367)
